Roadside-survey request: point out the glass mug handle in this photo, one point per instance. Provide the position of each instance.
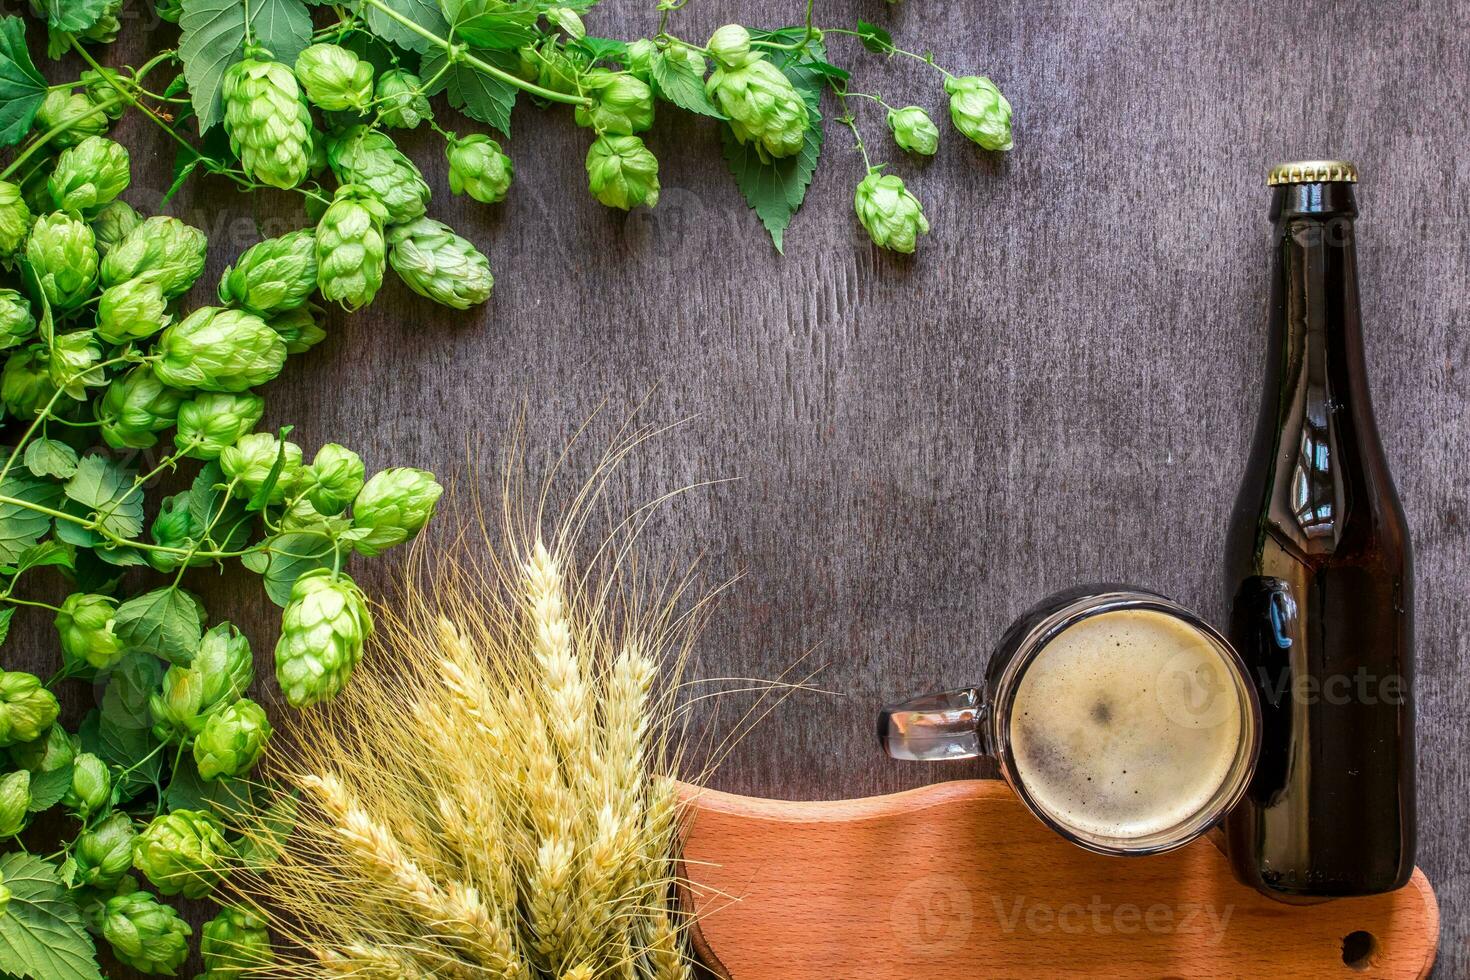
(935, 727)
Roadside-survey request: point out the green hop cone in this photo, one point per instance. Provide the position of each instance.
(182, 853)
(222, 668)
(272, 276)
(369, 158)
(335, 476)
(400, 99)
(762, 105)
(980, 111)
(15, 218)
(394, 505)
(323, 630)
(218, 350)
(893, 217)
(105, 30)
(25, 382)
(56, 750)
(100, 88)
(89, 175)
(232, 741)
(177, 707)
(477, 167)
(104, 853)
(251, 460)
(161, 249)
(145, 934)
(350, 250)
(641, 54)
(169, 10)
(555, 67)
(267, 119)
(62, 252)
(211, 422)
(17, 323)
(91, 785)
(435, 262)
(234, 944)
(136, 408)
(15, 801)
(913, 130)
(299, 329)
(112, 223)
(73, 365)
(131, 310)
(26, 708)
(73, 109)
(84, 623)
(336, 79)
(622, 103)
(622, 172)
(730, 46)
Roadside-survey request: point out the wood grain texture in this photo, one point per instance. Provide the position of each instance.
(1059, 387)
(930, 882)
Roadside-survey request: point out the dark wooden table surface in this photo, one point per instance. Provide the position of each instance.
(1058, 387)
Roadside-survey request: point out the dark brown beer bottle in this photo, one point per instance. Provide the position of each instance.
(1320, 580)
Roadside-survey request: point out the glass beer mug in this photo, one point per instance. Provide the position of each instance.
(1121, 719)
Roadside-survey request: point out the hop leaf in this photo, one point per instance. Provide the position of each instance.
(15, 218)
(980, 111)
(893, 217)
(369, 158)
(160, 249)
(335, 78)
(218, 350)
(267, 119)
(913, 130)
(84, 623)
(401, 101)
(477, 167)
(393, 506)
(182, 853)
(89, 175)
(323, 630)
(146, 934)
(62, 252)
(272, 276)
(350, 249)
(435, 262)
(622, 172)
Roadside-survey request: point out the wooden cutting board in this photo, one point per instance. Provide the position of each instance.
(958, 880)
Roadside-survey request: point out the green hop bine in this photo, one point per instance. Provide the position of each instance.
(267, 119)
(136, 408)
(335, 477)
(182, 853)
(15, 218)
(73, 111)
(26, 708)
(336, 79)
(979, 111)
(477, 167)
(273, 276)
(62, 252)
(232, 741)
(17, 322)
(218, 350)
(763, 107)
(112, 223)
(622, 172)
(89, 175)
(211, 422)
(104, 852)
(323, 630)
(394, 506)
(435, 262)
(160, 249)
(622, 103)
(145, 934)
(893, 217)
(84, 623)
(233, 944)
(401, 101)
(368, 157)
(91, 786)
(131, 310)
(351, 253)
(15, 802)
(250, 462)
(913, 130)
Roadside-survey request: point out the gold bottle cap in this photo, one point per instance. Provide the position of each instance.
(1313, 172)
